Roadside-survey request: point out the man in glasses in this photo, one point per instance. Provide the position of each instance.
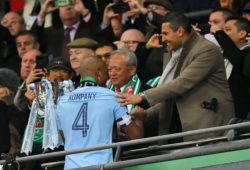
(103, 51)
(14, 22)
(123, 78)
(130, 39)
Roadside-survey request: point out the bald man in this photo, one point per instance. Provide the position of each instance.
(96, 68)
(130, 39)
(84, 126)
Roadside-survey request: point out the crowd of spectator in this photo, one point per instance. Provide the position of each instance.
(171, 73)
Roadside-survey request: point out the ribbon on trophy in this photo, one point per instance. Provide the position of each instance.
(30, 130)
(51, 136)
(47, 95)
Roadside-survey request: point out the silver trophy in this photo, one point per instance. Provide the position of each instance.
(40, 91)
(43, 88)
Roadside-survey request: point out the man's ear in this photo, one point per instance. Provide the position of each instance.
(132, 70)
(242, 34)
(37, 45)
(97, 75)
(180, 31)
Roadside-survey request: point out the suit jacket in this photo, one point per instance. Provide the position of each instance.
(4, 130)
(238, 82)
(52, 38)
(8, 53)
(200, 76)
(27, 12)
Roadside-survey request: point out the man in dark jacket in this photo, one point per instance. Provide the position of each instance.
(73, 23)
(236, 49)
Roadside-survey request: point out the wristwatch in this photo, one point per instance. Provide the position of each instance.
(144, 103)
(143, 96)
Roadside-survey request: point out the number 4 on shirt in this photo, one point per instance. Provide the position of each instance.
(80, 122)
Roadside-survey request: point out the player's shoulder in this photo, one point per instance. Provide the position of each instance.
(97, 89)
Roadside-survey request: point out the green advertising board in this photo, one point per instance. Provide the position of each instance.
(197, 162)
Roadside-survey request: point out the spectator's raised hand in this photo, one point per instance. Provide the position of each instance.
(136, 7)
(154, 41)
(119, 44)
(108, 14)
(214, 28)
(47, 7)
(80, 7)
(196, 28)
(34, 75)
(30, 95)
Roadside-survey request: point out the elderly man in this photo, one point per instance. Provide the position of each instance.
(84, 125)
(14, 22)
(193, 85)
(78, 50)
(130, 39)
(133, 40)
(122, 73)
(123, 78)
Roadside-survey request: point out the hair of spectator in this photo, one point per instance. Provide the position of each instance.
(33, 35)
(177, 20)
(131, 59)
(104, 44)
(227, 13)
(21, 19)
(241, 23)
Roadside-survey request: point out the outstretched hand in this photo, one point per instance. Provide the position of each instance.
(108, 14)
(80, 7)
(127, 99)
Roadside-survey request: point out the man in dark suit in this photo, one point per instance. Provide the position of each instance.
(73, 24)
(8, 55)
(236, 50)
(193, 83)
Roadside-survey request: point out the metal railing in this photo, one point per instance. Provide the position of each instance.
(198, 13)
(119, 145)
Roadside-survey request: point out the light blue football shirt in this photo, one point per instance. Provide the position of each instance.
(86, 117)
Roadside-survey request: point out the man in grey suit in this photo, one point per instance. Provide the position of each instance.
(193, 83)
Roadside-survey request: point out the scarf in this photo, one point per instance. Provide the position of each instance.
(131, 87)
(87, 81)
(154, 81)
